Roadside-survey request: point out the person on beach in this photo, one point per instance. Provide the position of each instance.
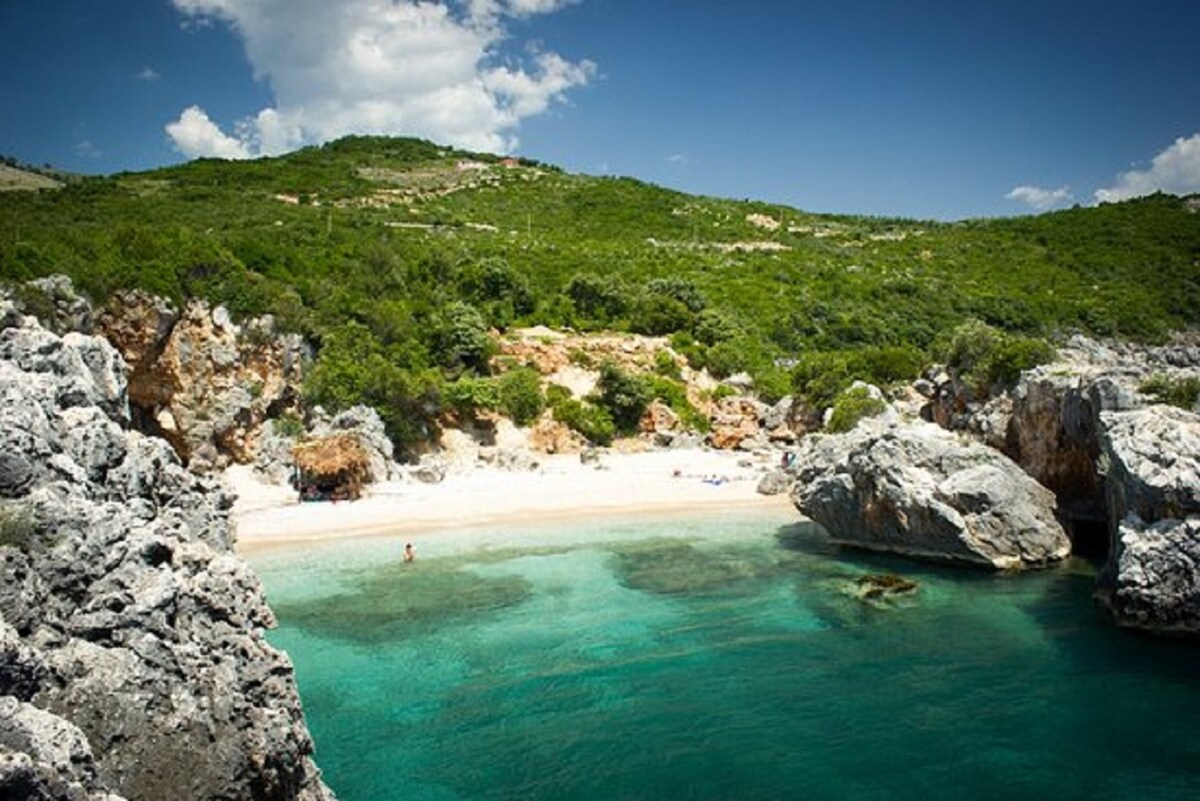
(410, 553)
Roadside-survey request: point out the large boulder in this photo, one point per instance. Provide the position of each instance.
(1152, 578)
(131, 638)
(918, 489)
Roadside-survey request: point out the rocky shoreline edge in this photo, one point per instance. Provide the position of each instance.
(133, 662)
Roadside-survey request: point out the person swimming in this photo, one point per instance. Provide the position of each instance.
(410, 553)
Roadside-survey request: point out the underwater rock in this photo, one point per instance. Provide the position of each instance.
(880, 585)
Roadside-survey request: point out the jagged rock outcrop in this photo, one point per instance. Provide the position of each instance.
(1152, 578)
(918, 489)
(201, 382)
(275, 461)
(132, 655)
(56, 304)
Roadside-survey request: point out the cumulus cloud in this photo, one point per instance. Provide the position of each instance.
(399, 67)
(196, 135)
(148, 74)
(1175, 170)
(1040, 199)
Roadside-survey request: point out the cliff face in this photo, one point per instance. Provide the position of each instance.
(132, 656)
(199, 381)
(1120, 465)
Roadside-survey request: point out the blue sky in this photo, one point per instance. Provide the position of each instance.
(917, 108)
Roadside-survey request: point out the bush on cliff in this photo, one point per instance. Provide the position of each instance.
(851, 406)
(983, 356)
(521, 395)
(1183, 392)
(592, 422)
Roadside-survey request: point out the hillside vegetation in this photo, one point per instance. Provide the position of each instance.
(395, 257)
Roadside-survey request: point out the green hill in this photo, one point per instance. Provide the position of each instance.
(394, 252)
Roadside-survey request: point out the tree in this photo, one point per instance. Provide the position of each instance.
(460, 339)
(624, 395)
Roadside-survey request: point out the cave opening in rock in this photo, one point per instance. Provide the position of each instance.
(1089, 537)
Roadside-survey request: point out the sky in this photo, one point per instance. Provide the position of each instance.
(925, 109)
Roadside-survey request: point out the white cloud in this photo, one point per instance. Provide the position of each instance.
(1041, 199)
(148, 74)
(399, 67)
(196, 135)
(677, 158)
(87, 149)
(1175, 170)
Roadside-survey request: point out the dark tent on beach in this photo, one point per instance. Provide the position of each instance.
(332, 468)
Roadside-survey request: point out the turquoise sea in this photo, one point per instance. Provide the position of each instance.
(718, 657)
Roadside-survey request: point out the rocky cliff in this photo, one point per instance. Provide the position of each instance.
(1125, 469)
(198, 380)
(132, 657)
(1151, 459)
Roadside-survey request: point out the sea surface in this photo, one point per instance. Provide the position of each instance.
(718, 657)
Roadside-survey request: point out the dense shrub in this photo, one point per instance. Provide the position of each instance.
(983, 356)
(624, 396)
(851, 406)
(593, 422)
(521, 395)
(460, 339)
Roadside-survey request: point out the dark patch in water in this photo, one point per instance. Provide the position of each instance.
(674, 567)
(399, 600)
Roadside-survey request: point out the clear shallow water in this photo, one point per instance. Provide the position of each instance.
(719, 659)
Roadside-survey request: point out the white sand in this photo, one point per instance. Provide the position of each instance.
(269, 516)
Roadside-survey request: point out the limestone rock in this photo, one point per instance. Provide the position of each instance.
(551, 436)
(197, 379)
(918, 489)
(56, 304)
(775, 482)
(131, 638)
(45, 756)
(1152, 578)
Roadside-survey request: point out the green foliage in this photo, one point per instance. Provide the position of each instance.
(288, 424)
(17, 527)
(353, 367)
(460, 338)
(657, 315)
(470, 395)
(624, 396)
(521, 395)
(851, 406)
(819, 377)
(1182, 391)
(984, 356)
(593, 422)
(666, 366)
(674, 394)
(596, 298)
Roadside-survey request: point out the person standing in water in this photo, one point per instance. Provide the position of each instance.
(410, 553)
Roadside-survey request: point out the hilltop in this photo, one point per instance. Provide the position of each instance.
(14, 179)
(395, 257)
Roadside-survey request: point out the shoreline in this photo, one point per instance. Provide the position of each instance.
(270, 518)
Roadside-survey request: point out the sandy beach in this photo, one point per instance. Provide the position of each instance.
(268, 516)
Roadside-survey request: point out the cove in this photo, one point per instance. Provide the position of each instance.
(718, 657)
